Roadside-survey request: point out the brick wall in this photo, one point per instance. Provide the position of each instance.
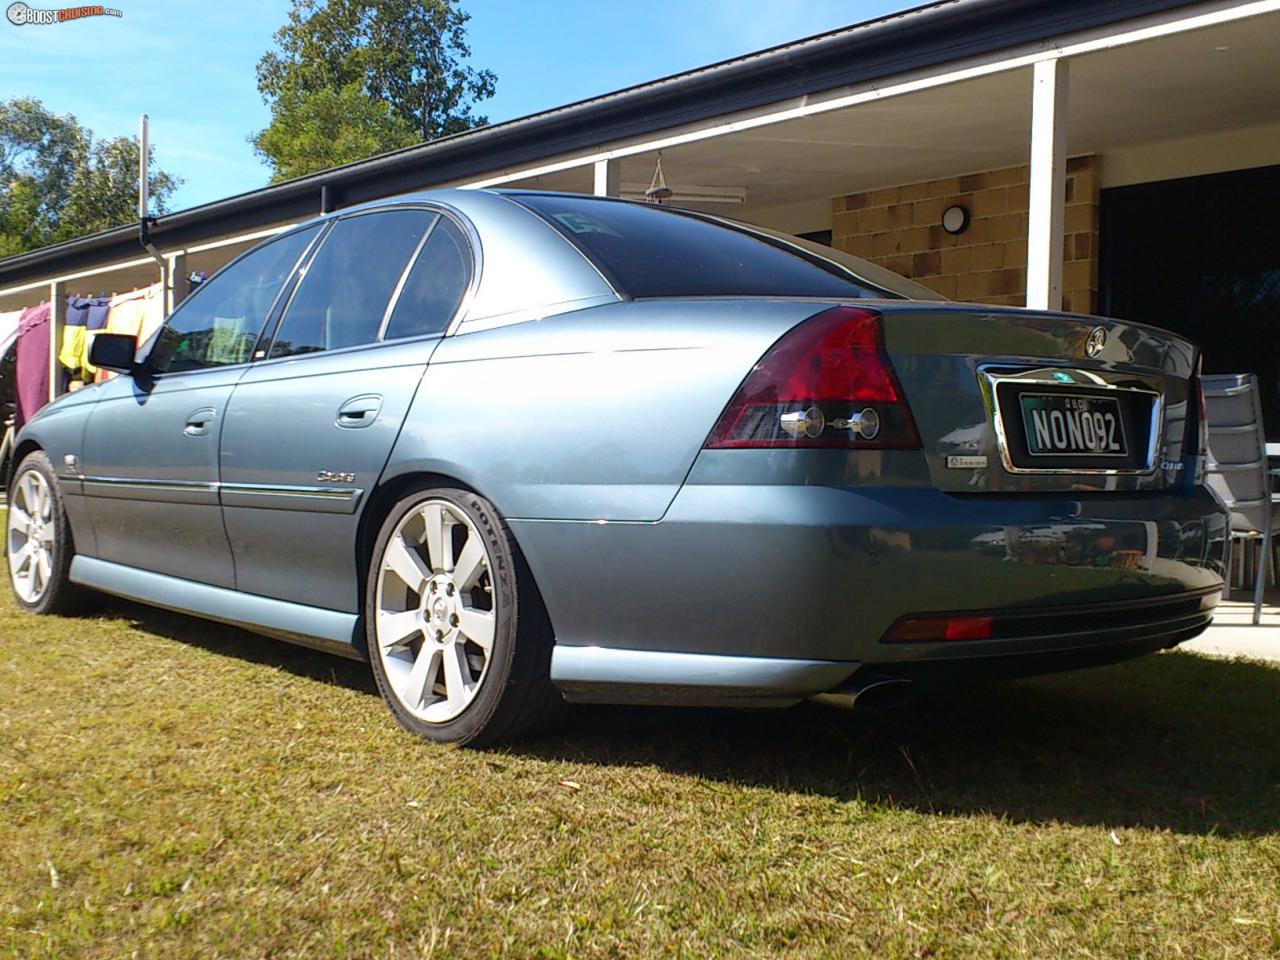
(901, 228)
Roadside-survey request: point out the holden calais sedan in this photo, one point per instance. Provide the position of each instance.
(519, 448)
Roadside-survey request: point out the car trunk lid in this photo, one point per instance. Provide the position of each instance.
(1015, 401)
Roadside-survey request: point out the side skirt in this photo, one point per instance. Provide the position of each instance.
(590, 674)
(327, 630)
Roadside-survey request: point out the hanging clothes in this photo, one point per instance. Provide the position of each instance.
(77, 310)
(73, 351)
(138, 314)
(9, 321)
(96, 319)
(152, 312)
(99, 307)
(33, 363)
(125, 315)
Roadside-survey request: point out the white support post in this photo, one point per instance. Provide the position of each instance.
(57, 318)
(165, 266)
(177, 285)
(1048, 184)
(608, 178)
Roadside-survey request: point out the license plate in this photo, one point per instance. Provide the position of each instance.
(1063, 425)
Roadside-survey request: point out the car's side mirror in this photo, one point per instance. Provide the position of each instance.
(114, 351)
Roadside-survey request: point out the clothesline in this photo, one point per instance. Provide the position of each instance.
(137, 313)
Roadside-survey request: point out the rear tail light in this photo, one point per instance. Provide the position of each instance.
(936, 629)
(826, 383)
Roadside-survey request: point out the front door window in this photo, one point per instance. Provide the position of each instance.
(219, 324)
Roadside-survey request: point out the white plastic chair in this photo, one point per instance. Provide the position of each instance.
(1238, 470)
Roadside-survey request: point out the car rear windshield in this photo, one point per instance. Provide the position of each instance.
(649, 251)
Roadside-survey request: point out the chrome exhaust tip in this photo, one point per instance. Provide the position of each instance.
(869, 693)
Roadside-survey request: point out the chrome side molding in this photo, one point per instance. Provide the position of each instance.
(264, 495)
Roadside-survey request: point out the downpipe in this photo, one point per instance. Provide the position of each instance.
(868, 693)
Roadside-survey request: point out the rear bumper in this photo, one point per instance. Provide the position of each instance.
(820, 574)
(1036, 641)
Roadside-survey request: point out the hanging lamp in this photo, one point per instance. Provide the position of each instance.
(658, 190)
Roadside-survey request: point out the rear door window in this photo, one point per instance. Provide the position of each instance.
(435, 286)
(343, 295)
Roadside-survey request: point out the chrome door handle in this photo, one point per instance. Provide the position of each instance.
(198, 423)
(359, 411)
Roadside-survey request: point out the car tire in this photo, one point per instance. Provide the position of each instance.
(38, 542)
(458, 639)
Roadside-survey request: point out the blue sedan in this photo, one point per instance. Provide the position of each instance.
(519, 448)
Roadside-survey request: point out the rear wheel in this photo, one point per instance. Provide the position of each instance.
(458, 640)
(38, 541)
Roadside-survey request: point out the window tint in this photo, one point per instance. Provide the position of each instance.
(219, 324)
(435, 285)
(653, 252)
(894, 284)
(344, 293)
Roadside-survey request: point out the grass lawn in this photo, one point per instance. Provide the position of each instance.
(170, 788)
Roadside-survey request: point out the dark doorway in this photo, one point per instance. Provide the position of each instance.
(1201, 256)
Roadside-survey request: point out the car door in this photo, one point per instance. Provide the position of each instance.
(310, 427)
(150, 454)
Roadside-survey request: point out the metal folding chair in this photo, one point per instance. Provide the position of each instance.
(1238, 471)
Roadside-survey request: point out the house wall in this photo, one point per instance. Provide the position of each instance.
(900, 228)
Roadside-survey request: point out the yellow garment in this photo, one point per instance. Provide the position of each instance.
(72, 352)
(86, 367)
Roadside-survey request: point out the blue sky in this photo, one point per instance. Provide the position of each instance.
(190, 65)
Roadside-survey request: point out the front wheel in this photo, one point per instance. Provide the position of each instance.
(458, 641)
(38, 541)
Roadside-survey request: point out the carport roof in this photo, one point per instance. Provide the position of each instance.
(918, 38)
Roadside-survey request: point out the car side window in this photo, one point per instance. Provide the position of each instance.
(435, 285)
(219, 324)
(343, 294)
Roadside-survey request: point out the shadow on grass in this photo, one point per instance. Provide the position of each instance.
(241, 644)
(1171, 741)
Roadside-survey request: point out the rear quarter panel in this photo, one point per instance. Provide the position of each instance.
(592, 415)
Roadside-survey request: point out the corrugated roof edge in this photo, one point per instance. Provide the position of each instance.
(912, 39)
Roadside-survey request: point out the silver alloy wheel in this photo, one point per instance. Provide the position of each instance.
(436, 611)
(31, 536)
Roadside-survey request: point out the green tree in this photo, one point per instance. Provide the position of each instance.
(58, 182)
(354, 78)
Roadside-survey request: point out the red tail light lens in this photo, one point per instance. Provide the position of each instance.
(826, 383)
(936, 629)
